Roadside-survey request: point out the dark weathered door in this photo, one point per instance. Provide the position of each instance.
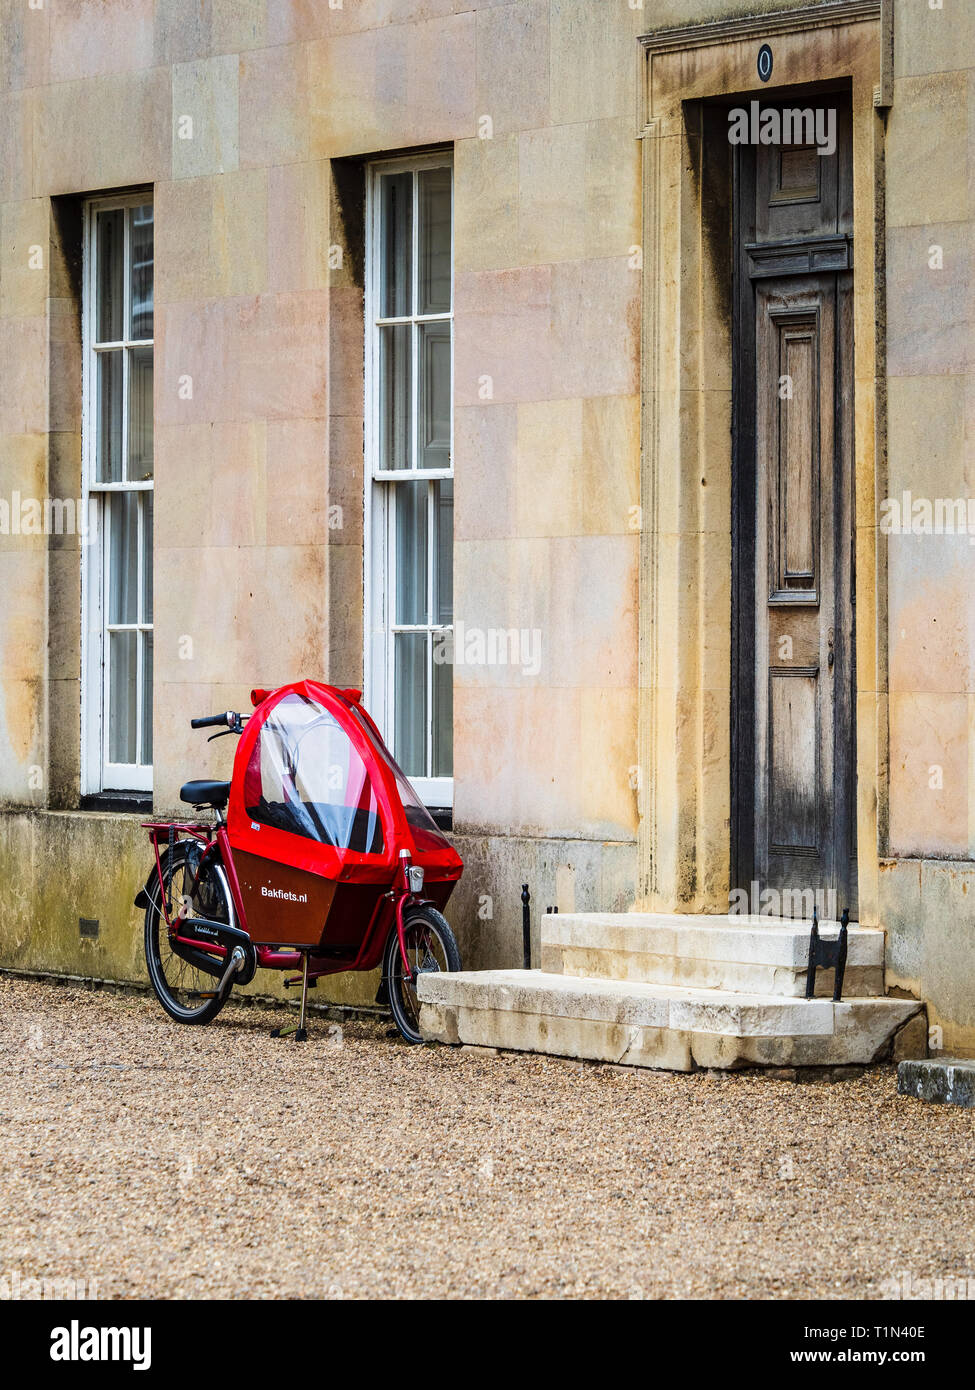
(794, 450)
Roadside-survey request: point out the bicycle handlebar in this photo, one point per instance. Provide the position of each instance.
(229, 718)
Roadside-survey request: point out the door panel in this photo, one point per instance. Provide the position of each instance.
(797, 448)
(794, 771)
(795, 338)
(795, 764)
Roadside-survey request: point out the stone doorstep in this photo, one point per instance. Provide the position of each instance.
(562, 1000)
(943, 1080)
(667, 1049)
(741, 977)
(677, 993)
(775, 941)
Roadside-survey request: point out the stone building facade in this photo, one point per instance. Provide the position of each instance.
(236, 304)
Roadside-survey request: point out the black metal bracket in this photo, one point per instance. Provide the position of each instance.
(526, 927)
(829, 954)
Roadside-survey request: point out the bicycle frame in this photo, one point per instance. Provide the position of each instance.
(215, 840)
(323, 844)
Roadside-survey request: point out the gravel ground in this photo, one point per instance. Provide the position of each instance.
(173, 1162)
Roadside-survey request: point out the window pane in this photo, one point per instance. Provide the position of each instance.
(411, 552)
(395, 386)
(434, 266)
(145, 756)
(122, 693)
(140, 414)
(146, 556)
(108, 437)
(396, 245)
(443, 549)
(443, 719)
(123, 576)
(411, 702)
(140, 285)
(108, 261)
(434, 366)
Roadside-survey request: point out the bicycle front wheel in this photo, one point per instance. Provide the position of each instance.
(430, 945)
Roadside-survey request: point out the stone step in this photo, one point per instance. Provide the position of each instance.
(653, 1025)
(751, 955)
(946, 1080)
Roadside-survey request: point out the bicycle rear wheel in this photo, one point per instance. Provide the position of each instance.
(187, 992)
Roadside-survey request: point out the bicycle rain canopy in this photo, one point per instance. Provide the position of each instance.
(315, 787)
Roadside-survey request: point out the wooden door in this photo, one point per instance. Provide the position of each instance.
(794, 447)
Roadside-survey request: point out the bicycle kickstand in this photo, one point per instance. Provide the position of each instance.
(300, 1032)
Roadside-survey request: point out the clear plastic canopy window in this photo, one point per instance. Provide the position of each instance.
(306, 777)
(426, 833)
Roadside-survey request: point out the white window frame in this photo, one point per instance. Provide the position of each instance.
(378, 559)
(97, 773)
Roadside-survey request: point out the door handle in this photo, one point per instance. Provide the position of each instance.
(830, 656)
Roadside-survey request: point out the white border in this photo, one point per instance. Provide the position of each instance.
(97, 774)
(377, 532)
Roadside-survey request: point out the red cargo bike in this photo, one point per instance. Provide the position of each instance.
(320, 857)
